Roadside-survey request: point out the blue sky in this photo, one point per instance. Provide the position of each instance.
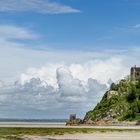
(64, 52)
(98, 25)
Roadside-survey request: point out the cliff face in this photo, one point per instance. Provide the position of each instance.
(121, 103)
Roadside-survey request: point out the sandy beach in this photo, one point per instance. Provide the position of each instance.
(103, 136)
(91, 136)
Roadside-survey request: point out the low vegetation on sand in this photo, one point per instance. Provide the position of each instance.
(17, 133)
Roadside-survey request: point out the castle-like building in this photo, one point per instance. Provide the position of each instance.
(135, 73)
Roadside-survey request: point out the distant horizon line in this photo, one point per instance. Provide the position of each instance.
(29, 119)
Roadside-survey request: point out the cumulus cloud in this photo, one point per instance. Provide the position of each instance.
(1, 83)
(94, 86)
(52, 82)
(40, 6)
(61, 88)
(70, 89)
(100, 69)
(70, 96)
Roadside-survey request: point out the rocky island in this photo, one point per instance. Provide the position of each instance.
(120, 105)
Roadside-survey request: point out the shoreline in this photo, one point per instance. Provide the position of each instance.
(62, 125)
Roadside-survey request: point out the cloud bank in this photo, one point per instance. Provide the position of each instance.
(52, 83)
(99, 69)
(59, 89)
(36, 95)
(40, 6)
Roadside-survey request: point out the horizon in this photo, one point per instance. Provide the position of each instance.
(59, 57)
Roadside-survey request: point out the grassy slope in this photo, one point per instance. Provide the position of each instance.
(124, 106)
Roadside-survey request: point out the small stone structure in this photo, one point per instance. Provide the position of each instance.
(135, 73)
(73, 117)
(111, 93)
(73, 120)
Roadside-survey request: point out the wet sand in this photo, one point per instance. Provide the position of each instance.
(58, 125)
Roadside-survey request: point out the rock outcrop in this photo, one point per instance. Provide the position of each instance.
(73, 120)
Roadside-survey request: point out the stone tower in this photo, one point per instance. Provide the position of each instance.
(135, 73)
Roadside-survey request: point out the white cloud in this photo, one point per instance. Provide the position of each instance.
(99, 69)
(46, 73)
(53, 82)
(41, 6)
(12, 44)
(74, 87)
(9, 34)
(1, 83)
(70, 96)
(15, 32)
(70, 89)
(50, 85)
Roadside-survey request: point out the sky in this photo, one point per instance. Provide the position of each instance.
(58, 57)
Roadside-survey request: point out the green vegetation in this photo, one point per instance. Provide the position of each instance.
(17, 133)
(121, 102)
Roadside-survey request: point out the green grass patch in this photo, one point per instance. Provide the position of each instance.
(15, 132)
